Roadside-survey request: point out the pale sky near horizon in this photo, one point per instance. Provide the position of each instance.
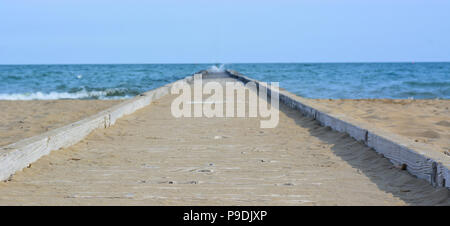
(219, 31)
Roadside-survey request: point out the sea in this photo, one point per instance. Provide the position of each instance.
(311, 80)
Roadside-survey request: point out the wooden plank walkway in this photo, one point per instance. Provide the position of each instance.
(152, 158)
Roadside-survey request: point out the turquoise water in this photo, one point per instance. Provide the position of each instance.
(321, 80)
(114, 81)
(356, 80)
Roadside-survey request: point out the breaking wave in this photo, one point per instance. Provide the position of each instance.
(83, 94)
(214, 68)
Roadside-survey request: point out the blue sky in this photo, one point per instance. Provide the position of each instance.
(205, 31)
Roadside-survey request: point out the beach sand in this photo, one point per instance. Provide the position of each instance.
(422, 121)
(151, 158)
(23, 119)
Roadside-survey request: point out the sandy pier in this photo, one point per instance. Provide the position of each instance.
(152, 158)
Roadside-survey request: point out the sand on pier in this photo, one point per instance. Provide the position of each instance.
(152, 158)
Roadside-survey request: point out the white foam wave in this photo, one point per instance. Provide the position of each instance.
(83, 94)
(214, 68)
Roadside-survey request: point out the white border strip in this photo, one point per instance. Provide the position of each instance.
(419, 160)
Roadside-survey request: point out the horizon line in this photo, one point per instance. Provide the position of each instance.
(305, 62)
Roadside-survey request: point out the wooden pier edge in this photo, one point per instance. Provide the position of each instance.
(16, 156)
(418, 160)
